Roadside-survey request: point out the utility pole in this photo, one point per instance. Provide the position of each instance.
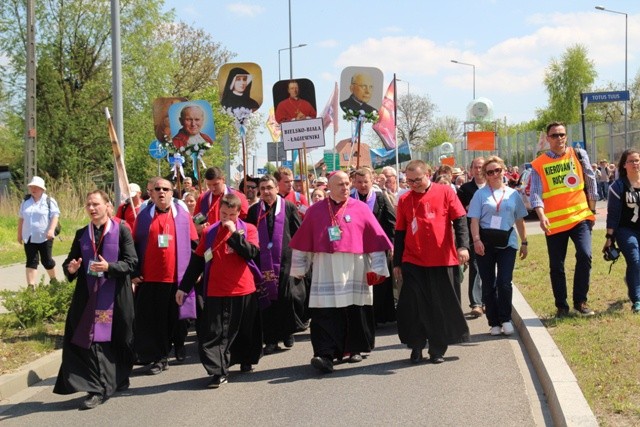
(30, 147)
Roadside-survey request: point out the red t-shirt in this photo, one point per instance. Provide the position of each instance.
(299, 200)
(213, 214)
(129, 217)
(160, 263)
(229, 274)
(432, 243)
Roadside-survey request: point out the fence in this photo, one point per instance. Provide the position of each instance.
(604, 141)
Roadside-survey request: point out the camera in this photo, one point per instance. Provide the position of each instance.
(611, 253)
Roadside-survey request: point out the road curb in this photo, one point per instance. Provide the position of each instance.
(30, 374)
(566, 401)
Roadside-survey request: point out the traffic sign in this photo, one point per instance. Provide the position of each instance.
(262, 171)
(620, 95)
(156, 150)
(272, 149)
(332, 161)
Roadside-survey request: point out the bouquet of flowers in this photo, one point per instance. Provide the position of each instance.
(361, 116)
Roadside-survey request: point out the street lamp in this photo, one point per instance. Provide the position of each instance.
(291, 69)
(626, 102)
(404, 81)
(474, 74)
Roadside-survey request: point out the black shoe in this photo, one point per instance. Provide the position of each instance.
(246, 367)
(181, 354)
(436, 359)
(271, 348)
(562, 312)
(416, 355)
(91, 401)
(158, 367)
(217, 381)
(323, 364)
(289, 341)
(124, 386)
(355, 358)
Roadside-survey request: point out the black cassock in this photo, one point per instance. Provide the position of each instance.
(286, 315)
(105, 365)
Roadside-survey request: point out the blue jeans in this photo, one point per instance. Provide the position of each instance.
(628, 239)
(557, 244)
(497, 290)
(475, 283)
(603, 189)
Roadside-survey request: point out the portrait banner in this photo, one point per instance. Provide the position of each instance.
(240, 88)
(361, 90)
(294, 100)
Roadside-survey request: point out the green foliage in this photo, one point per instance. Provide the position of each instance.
(565, 79)
(44, 303)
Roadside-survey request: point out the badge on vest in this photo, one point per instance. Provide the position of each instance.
(163, 240)
(571, 180)
(335, 233)
(208, 255)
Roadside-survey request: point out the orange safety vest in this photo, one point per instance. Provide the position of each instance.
(565, 202)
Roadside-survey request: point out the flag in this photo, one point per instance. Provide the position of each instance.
(386, 125)
(330, 112)
(273, 126)
(123, 180)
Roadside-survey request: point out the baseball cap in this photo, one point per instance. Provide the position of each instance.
(134, 188)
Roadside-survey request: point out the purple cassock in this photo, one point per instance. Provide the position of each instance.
(183, 248)
(360, 231)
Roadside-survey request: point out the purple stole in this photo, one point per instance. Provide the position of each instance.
(96, 321)
(183, 248)
(370, 200)
(210, 237)
(270, 253)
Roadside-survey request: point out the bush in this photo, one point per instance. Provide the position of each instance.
(44, 303)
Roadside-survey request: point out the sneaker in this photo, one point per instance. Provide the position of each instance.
(477, 311)
(495, 331)
(636, 307)
(158, 367)
(91, 401)
(436, 359)
(217, 381)
(584, 309)
(355, 358)
(562, 312)
(507, 328)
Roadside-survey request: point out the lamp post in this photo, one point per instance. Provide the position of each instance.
(291, 66)
(404, 81)
(474, 74)
(626, 103)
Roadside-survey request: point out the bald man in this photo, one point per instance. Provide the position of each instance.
(361, 89)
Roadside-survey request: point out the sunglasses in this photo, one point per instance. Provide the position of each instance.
(557, 135)
(251, 187)
(495, 171)
(165, 189)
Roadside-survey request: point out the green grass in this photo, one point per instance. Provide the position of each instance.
(603, 351)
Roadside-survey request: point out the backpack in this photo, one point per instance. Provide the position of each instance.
(59, 226)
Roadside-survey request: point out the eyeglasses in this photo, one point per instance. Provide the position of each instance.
(634, 161)
(557, 135)
(496, 171)
(415, 181)
(164, 189)
(365, 87)
(251, 187)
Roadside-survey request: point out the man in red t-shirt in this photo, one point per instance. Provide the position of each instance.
(207, 211)
(425, 257)
(284, 176)
(163, 235)
(230, 328)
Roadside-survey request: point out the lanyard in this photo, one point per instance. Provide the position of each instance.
(498, 202)
(335, 218)
(92, 237)
(166, 220)
(266, 213)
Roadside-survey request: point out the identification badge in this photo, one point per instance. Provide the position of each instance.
(414, 226)
(199, 219)
(496, 221)
(334, 233)
(94, 273)
(269, 245)
(347, 218)
(208, 255)
(163, 240)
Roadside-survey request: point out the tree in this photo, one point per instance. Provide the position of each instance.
(445, 129)
(414, 120)
(565, 79)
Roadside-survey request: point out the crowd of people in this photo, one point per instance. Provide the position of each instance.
(250, 267)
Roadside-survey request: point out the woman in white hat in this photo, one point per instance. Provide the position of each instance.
(39, 216)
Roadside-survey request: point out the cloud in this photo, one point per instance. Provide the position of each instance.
(245, 9)
(328, 43)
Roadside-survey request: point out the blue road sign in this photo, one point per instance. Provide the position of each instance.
(578, 144)
(620, 95)
(156, 150)
(288, 164)
(262, 171)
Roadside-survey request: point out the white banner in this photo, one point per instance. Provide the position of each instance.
(298, 134)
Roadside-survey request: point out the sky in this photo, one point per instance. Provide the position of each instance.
(511, 43)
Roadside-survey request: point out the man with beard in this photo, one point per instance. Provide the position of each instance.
(343, 240)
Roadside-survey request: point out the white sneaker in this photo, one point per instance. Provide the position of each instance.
(495, 330)
(507, 328)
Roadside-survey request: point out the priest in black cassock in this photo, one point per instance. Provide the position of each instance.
(384, 309)
(281, 296)
(97, 353)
